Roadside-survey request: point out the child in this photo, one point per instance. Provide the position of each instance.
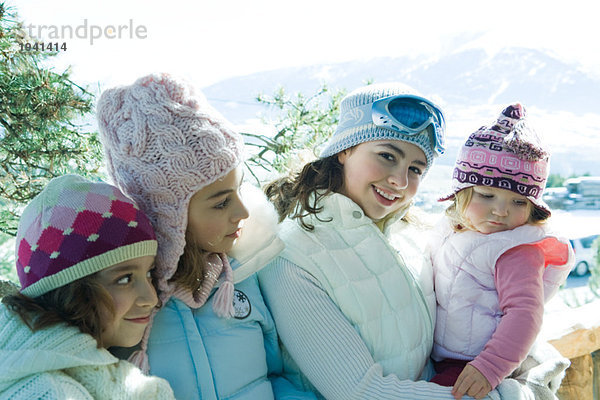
(173, 153)
(84, 256)
(352, 293)
(495, 260)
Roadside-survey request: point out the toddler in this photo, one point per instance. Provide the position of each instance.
(496, 261)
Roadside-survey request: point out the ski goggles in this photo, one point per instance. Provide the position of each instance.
(406, 114)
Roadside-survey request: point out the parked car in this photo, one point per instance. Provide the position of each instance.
(584, 254)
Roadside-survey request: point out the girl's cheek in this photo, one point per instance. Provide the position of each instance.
(480, 208)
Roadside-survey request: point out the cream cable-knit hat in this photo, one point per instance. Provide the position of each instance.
(163, 143)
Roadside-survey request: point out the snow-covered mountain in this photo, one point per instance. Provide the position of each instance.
(470, 77)
(471, 85)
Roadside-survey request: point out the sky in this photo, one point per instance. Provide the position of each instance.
(207, 41)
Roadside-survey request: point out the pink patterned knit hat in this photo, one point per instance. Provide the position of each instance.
(507, 155)
(75, 228)
(163, 143)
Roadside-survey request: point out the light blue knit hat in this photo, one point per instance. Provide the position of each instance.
(349, 134)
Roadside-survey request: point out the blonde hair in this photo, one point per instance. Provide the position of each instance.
(456, 211)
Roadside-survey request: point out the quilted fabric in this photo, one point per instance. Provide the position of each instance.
(370, 281)
(465, 268)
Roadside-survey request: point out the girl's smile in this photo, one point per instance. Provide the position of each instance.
(385, 198)
(130, 285)
(139, 320)
(235, 234)
(382, 176)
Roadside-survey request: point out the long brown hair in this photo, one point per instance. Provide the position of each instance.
(292, 195)
(191, 265)
(82, 303)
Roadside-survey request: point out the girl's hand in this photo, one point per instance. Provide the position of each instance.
(471, 382)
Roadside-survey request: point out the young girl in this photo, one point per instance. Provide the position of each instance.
(168, 149)
(356, 316)
(352, 293)
(84, 256)
(495, 259)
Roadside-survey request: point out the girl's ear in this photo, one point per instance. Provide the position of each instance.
(343, 155)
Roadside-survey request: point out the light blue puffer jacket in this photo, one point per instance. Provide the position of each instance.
(207, 357)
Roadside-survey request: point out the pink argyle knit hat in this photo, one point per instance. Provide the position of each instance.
(507, 155)
(75, 228)
(163, 142)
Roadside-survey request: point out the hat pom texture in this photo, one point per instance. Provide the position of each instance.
(521, 138)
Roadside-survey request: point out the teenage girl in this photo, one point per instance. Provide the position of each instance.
(352, 293)
(170, 150)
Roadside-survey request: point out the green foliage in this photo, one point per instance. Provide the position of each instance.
(7, 259)
(555, 180)
(38, 140)
(302, 124)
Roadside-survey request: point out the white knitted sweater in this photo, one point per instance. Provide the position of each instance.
(60, 362)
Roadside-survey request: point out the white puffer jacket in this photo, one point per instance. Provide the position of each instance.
(468, 312)
(382, 290)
